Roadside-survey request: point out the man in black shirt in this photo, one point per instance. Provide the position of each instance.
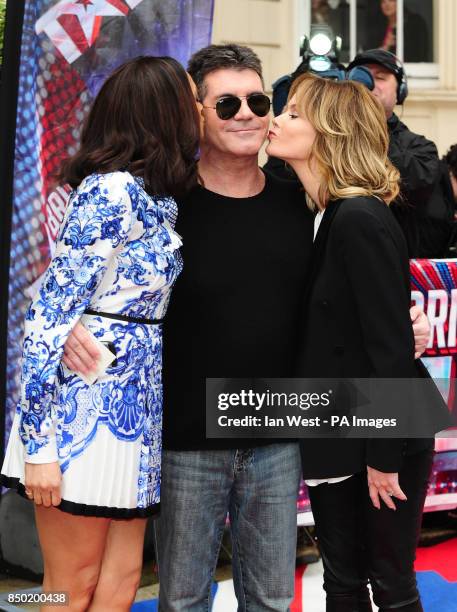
(247, 238)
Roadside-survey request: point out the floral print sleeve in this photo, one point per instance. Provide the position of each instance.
(94, 231)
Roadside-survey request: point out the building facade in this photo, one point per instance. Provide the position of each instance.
(273, 29)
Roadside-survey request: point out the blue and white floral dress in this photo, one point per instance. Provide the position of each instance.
(116, 253)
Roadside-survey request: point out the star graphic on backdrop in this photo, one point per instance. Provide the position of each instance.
(59, 22)
(87, 13)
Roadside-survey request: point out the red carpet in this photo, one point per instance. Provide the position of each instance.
(437, 581)
(297, 604)
(441, 558)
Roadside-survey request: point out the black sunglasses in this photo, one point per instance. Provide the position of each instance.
(228, 106)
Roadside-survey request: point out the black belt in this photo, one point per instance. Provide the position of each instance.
(126, 318)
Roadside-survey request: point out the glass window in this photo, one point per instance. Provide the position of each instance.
(367, 24)
(335, 15)
(418, 31)
(377, 26)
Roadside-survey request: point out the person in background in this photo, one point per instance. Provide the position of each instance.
(413, 155)
(415, 33)
(320, 12)
(450, 161)
(439, 239)
(89, 455)
(335, 137)
(335, 15)
(446, 191)
(327, 12)
(389, 10)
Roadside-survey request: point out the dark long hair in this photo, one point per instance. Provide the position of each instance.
(144, 119)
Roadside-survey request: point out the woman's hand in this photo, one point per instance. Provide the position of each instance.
(384, 485)
(42, 483)
(80, 352)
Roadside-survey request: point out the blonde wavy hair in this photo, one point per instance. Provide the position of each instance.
(352, 140)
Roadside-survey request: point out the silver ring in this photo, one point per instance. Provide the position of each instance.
(390, 493)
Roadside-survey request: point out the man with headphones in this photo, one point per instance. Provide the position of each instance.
(427, 230)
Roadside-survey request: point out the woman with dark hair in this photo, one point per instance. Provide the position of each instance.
(90, 453)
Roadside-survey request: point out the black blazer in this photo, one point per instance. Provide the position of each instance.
(356, 324)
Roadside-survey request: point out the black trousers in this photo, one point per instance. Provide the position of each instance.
(360, 544)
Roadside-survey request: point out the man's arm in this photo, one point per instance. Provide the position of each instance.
(81, 353)
(421, 330)
(417, 160)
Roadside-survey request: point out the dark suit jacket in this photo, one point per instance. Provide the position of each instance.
(357, 324)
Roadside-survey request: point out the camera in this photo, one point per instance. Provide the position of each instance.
(320, 55)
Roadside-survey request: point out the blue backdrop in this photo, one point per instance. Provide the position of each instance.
(67, 50)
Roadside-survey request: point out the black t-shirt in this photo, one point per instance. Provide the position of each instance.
(234, 310)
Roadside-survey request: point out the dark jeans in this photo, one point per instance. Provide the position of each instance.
(359, 543)
(258, 488)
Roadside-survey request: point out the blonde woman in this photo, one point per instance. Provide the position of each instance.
(367, 496)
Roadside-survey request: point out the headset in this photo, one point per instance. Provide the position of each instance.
(394, 63)
(399, 71)
(402, 87)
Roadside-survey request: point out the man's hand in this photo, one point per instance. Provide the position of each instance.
(421, 329)
(42, 483)
(80, 352)
(385, 486)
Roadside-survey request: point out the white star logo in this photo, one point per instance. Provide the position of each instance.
(89, 14)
